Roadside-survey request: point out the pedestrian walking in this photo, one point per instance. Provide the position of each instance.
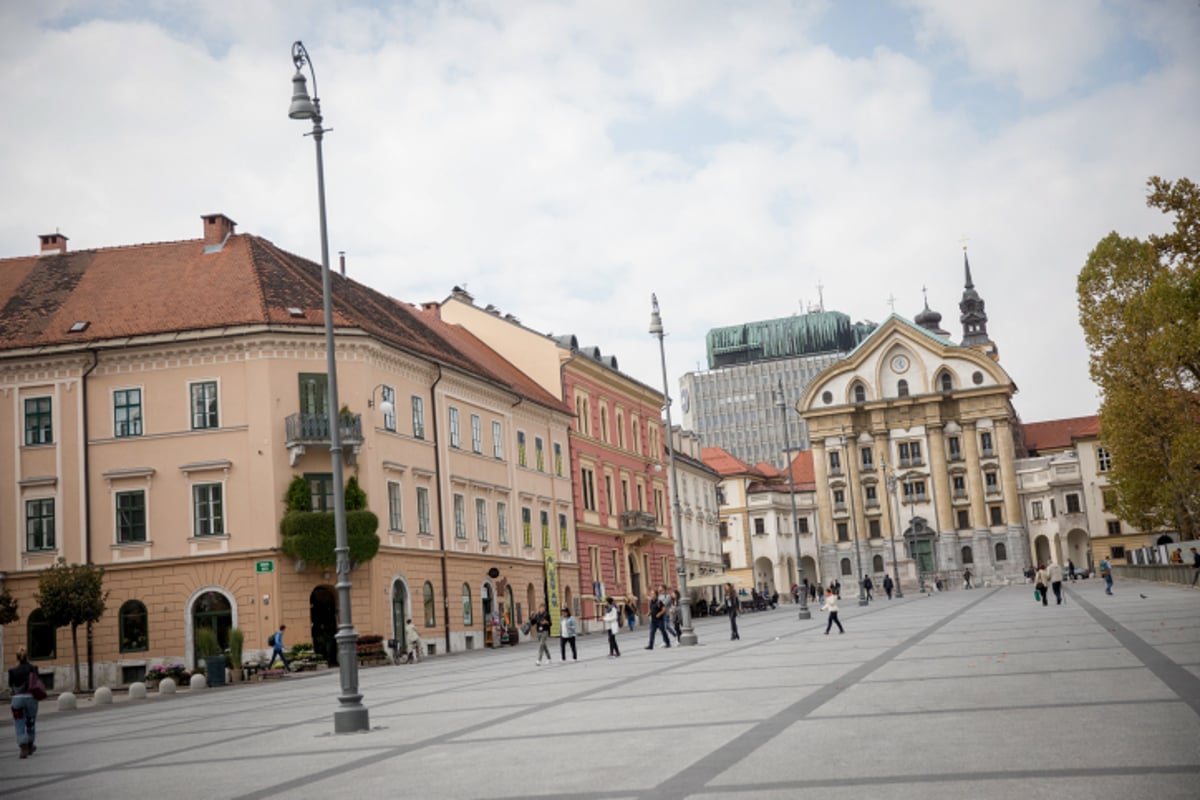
(837, 589)
(658, 618)
(812, 592)
(1055, 573)
(730, 607)
(541, 623)
(276, 642)
(412, 640)
(630, 613)
(23, 681)
(567, 630)
(612, 624)
(1195, 566)
(1106, 573)
(888, 585)
(967, 578)
(868, 585)
(832, 607)
(1070, 569)
(1040, 579)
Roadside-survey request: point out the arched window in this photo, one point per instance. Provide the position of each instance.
(42, 636)
(212, 609)
(133, 627)
(530, 602)
(1001, 552)
(877, 564)
(603, 422)
(860, 393)
(620, 430)
(902, 388)
(466, 600)
(845, 566)
(968, 556)
(430, 609)
(945, 382)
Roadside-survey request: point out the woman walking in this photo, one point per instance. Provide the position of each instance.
(1041, 580)
(731, 608)
(832, 608)
(412, 640)
(24, 704)
(567, 634)
(612, 623)
(540, 622)
(676, 614)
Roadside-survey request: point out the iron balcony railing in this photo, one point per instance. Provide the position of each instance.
(638, 522)
(313, 429)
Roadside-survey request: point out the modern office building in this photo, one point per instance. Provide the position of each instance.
(732, 404)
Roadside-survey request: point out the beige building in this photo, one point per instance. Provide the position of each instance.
(912, 418)
(1067, 500)
(699, 519)
(163, 396)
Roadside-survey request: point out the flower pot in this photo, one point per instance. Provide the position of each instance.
(236, 673)
(214, 670)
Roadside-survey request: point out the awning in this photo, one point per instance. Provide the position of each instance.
(719, 579)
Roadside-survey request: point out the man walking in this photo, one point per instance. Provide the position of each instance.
(1106, 573)
(276, 642)
(1070, 569)
(658, 619)
(888, 585)
(1056, 576)
(868, 585)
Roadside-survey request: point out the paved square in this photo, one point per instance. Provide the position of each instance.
(970, 694)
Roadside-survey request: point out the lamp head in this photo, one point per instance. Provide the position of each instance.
(388, 408)
(302, 106)
(656, 326)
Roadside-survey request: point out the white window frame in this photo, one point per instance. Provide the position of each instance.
(497, 440)
(424, 524)
(460, 516)
(192, 404)
(476, 434)
(395, 499)
(196, 503)
(481, 521)
(455, 433)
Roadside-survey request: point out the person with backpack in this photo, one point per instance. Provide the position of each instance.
(888, 585)
(612, 624)
(658, 618)
(567, 633)
(276, 643)
(24, 702)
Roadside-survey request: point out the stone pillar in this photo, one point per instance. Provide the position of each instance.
(1008, 473)
(856, 500)
(970, 443)
(940, 478)
(825, 530)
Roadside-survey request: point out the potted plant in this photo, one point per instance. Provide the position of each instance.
(237, 640)
(214, 660)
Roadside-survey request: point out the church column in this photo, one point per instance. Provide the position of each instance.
(940, 479)
(1008, 473)
(854, 485)
(970, 441)
(824, 508)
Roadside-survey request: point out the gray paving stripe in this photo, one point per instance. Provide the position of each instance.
(1178, 680)
(994, 709)
(697, 775)
(973, 676)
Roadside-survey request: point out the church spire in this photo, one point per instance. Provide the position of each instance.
(973, 318)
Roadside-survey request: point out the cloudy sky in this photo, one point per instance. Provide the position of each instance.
(562, 160)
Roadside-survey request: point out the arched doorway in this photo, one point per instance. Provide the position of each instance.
(810, 569)
(764, 575)
(1041, 550)
(635, 579)
(211, 609)
(918, 541)
(1077, 548)
(487, 604)
(510, 607)
(567, 599)
(322, 612)
(530, 602)
(400, 613)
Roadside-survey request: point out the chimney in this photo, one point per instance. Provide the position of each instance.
(217, 228)
(53, 243)
(342, 261)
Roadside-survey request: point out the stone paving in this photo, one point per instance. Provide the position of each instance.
(968, 694)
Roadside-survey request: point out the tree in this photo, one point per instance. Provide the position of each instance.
(1139, 305)
(72, 594)
(8, 608)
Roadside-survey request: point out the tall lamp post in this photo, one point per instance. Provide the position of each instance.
(351, 715)
(781, 404)
(862, 590)
(890, 480)
(687, 636)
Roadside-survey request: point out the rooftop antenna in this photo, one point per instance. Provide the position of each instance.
(821, 296)
(891, 301)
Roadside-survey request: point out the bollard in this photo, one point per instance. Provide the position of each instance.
(66, 701)
(166, 686)
(137, 691)
(103, 696)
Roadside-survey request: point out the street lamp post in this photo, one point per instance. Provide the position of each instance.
(781, 404)
(687, 636)
(890, 479)
(351, 715)
(862, 590)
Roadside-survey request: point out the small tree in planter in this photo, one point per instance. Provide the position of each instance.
(237, 641)
(214, 660)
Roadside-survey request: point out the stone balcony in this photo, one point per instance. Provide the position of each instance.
(312, 430)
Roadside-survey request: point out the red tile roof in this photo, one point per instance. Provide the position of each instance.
(803, 472)
(1059, 434)
(767, 470)
(172, 287)
(725, 463)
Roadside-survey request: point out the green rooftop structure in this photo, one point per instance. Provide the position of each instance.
(788, 337)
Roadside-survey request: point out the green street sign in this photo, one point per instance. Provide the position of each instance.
(264, 566)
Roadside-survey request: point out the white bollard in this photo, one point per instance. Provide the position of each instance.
(66, 701)
(103, 696)
(166, 686)
(198, 682)
(137, 691)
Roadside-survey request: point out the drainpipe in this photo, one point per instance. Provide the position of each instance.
(87, 503)
(437, 472)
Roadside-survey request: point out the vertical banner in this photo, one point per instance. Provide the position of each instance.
(552, 590)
